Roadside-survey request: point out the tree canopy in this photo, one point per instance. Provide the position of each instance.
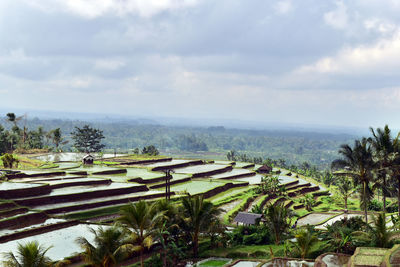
(88, 139)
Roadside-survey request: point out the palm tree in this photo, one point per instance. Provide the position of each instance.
(380, 234)
(198, 214)
(305, 239)
(30, 254)
(345, 186)
(308, 201)
(358, 164)
(278, 218)
(383, 145)
(109, 247)
(141, 220)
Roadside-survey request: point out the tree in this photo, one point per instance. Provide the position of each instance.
(141, 220)
(30, 254)
(278, 219)
(382, 142)
(305, 239)
(9, 161)
(150, 150)
(109, 248)
(57, 138)
(358, 164)
(308, 201)
(198, 214)
(345, 186)
(88, 139)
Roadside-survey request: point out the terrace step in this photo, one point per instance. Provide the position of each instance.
(12, 212)
(24, 220)
(88, 206)
(36, 230)
(44, 200)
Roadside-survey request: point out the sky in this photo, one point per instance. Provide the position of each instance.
(311, 61)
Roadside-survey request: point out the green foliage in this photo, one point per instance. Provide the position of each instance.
(305, 240)
(150, 150)
(308, 201)
(278, 219)
(250, 235)
(109, 248)
(87, 139)
(9, 161)
(30, 254)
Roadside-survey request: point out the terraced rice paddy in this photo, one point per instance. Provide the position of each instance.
(70, 156)
(47, 222)
(63, 241)
(13, 186)
(337, 218)
(256, 179)
(167, 163)
(200, 168)
(196, 186)
(314, 218)
(233, 173)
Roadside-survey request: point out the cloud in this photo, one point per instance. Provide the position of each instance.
(283, 7)
(337, 18)
(382, 57)
(95, 8)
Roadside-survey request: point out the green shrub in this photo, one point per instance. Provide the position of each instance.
(259, 254)
(237, 255)
(9, 160)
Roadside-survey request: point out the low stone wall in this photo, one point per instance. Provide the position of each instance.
(81, 183)
(79, 173)
(33, 202)
(210, 173)
(298, 186)
(221, 189)
(237, 176)
(109, 172)
(12, 212)
(172, 182)
(7, 205)
(23, 221)
(147, 181)
(103, 203)
(36, 231)
(178, 165)
(25, 192)
(42, 174)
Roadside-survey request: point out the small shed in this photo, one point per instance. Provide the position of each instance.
(264, 169)
(88, 159)
(248, 218)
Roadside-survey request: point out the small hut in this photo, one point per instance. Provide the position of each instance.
(88, 159)
(264, 169)
(247, 218)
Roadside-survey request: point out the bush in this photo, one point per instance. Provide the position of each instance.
(250, 235)
(375, 205)
(237, 255)
(259, 254)
(9, 161)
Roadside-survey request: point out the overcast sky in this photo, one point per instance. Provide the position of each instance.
(310, 61)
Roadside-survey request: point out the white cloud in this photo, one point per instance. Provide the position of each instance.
(337, 18)
(380, 58)
(283, 7)
(379, 25)
(95, 8)
(109, 64)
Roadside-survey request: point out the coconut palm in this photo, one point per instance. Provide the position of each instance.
(346, 188)
(308, 201)
(358, 164)
(30, 254)
(278, 219)
(109, 247)
(198, 214)
(305, 239)
(383, 145)
(141, 220)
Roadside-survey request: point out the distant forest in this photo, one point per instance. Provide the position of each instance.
(295, 147)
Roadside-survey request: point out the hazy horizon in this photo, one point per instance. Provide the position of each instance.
(317, 64)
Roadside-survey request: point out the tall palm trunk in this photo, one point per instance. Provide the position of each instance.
(365, 202)
(398, 192)
(384, 193)
(195, 244)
